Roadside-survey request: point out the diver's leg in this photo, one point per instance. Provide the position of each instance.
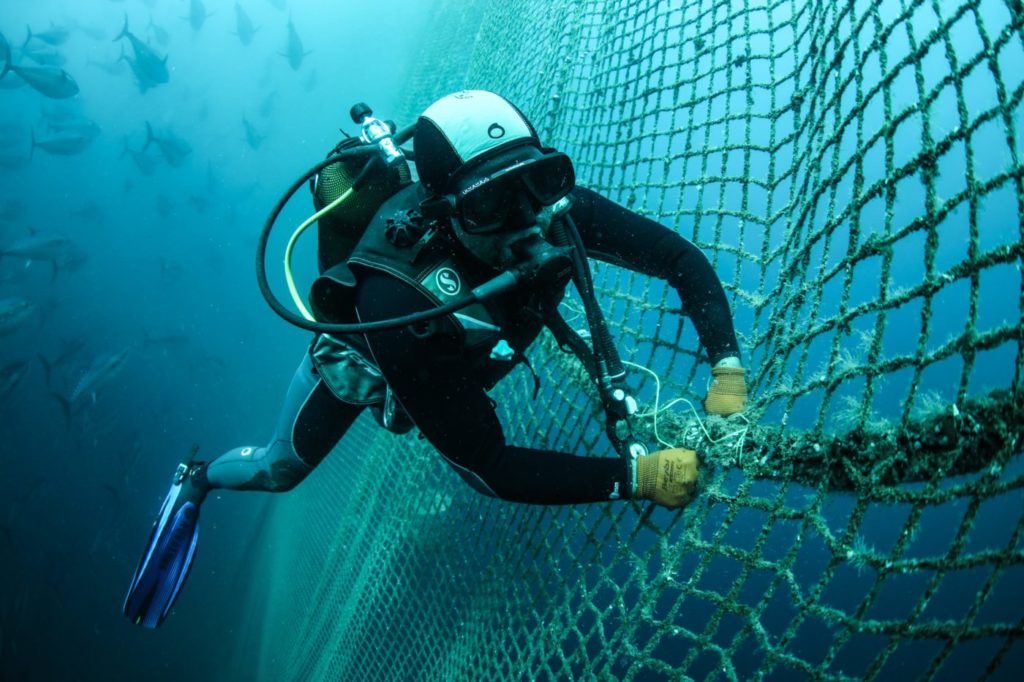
(311, 423)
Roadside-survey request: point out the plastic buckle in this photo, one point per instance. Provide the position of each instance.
(502, 351)
(181, 473)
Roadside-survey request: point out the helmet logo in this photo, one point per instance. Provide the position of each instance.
(448, 281)
(495, 131)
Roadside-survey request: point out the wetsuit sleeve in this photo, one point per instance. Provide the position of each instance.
(434, 384)
(616, 235)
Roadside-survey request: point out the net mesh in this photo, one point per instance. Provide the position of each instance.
(853, 171)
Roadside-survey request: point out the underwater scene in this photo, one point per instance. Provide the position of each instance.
(690, 334)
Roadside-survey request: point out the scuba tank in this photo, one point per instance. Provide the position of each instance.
(339, 359)
(339, 231)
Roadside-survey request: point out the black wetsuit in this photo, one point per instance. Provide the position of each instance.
(435, 385)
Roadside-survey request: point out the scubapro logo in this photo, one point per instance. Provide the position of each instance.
(448, 281)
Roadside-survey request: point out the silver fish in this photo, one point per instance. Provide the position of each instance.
(50, 247)
(10, 376)
(143, 161)
(13, 313)
(69, 351)
(251, 136)
(51, 81)
(243, 25)
(149, 67)
(141, 79)
(103, 369)
(173, 148)
(159, 32)
(295, 53)
(76, 125)
(94, 32)
(70, 122)
(196, 14)
(63, 144)
(61, 253)
(44, 54)
(55, 35)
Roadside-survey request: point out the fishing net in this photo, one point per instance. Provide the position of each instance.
(853, 171)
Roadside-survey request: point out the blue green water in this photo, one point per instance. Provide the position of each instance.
(167, 274)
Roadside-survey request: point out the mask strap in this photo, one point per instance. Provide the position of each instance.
(437, 208)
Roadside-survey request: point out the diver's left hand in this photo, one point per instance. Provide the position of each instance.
(728, 392)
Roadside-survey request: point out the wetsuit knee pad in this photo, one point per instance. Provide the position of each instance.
(273, 469)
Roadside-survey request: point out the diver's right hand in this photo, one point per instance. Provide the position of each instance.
(669, 477)
(728, 392)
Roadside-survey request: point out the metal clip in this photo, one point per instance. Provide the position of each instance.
(502, 351)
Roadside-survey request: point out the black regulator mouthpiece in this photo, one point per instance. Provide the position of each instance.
(359, 111)
(542, 263)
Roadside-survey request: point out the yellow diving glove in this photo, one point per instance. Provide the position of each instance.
(728, 392)
(669, 477)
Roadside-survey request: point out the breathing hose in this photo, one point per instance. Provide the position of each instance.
(618, 405)
(504, 282)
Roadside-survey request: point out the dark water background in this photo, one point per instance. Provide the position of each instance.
(169, 256)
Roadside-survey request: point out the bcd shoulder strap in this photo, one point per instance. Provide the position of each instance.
(569, 339)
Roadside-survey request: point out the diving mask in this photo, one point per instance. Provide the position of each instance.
(482, 203)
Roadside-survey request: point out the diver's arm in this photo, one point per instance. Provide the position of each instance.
(619, 236)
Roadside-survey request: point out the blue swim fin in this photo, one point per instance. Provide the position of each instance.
(168, 555)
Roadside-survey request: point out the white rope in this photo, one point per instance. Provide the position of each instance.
(658, 408)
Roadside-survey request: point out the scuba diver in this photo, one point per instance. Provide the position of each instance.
(429, 293)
